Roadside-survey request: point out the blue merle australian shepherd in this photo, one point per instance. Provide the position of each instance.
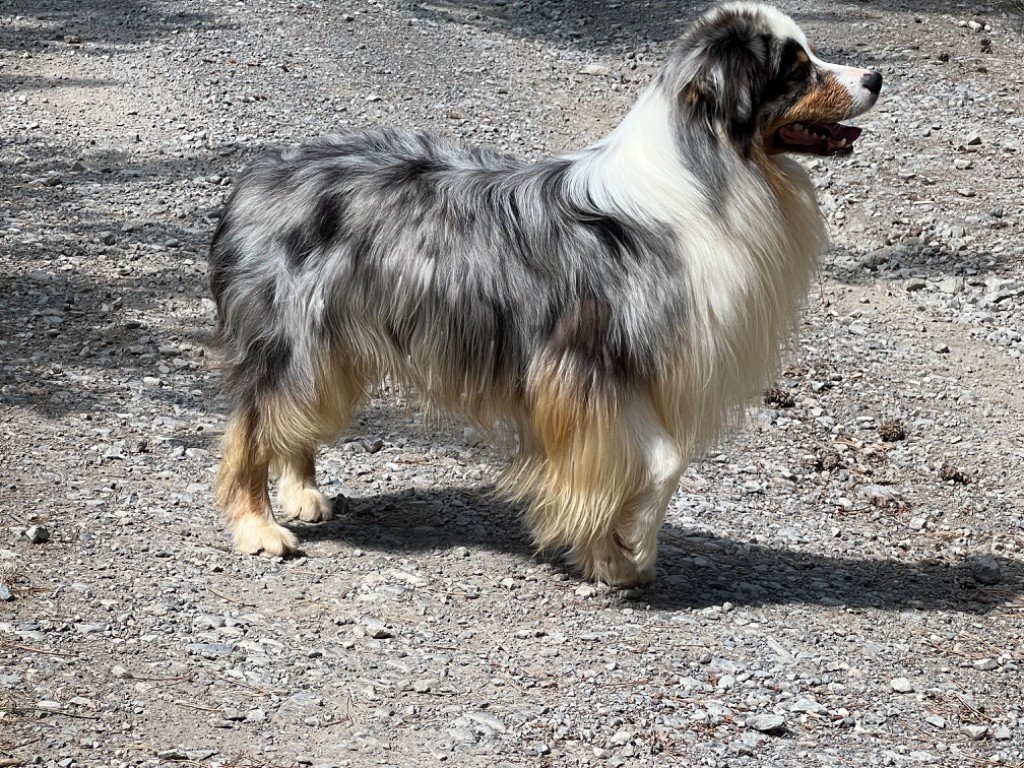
(616, 306)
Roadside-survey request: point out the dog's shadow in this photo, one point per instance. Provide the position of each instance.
(695, 568)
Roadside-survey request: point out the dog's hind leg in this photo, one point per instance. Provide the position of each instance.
(241, 487)
(339, 388)
(296, 487)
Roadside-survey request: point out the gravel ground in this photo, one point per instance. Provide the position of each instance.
(841, 583)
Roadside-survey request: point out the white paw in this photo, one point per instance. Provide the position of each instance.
(620, 572)
(254, 535)
(307, 505)
(616, 565)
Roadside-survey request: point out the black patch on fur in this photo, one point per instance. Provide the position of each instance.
(408, 172)
(224, 257)
(613, 234)
(585, 335)
(318, 232)
(262, 369)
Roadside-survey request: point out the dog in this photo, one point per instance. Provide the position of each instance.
(616, 306)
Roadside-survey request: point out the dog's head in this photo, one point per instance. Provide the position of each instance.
(748, 72)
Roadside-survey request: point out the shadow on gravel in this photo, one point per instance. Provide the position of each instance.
(39, 82)
(574, 23)
(90, 297)
(900, 263)
(77, 354)
(695, 569)
(415, 520)
(698, 569)
(94, 22)
(589, 25)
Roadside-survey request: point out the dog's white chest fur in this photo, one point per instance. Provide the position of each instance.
(749, 256)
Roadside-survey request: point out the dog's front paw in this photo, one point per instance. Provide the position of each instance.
(615, 565)
(620, 573)
(307, 505)
(262, 536)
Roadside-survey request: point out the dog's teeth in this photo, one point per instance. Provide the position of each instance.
(842, 142)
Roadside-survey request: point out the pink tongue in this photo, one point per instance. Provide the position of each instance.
(823, 138)
(798, 138)
(849, 132)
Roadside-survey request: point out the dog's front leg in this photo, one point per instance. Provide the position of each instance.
(625, 556)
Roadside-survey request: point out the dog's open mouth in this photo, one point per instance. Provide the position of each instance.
(816, 138)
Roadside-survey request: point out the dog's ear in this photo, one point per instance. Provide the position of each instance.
(727, 85)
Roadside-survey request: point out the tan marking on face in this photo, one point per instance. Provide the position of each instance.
(829, 102)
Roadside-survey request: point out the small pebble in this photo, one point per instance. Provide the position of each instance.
(902, 685)
(372, 444)
(376, 629)
(804, 704)
(120, 672)
(766, 723)
(987, 570)
(37, 534)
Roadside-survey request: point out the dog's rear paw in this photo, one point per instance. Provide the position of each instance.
(260, 535)
(307, 505)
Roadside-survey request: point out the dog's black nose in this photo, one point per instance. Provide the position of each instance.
(872, 81)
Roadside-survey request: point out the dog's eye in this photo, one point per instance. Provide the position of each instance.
(795, 61)
(798, 69)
